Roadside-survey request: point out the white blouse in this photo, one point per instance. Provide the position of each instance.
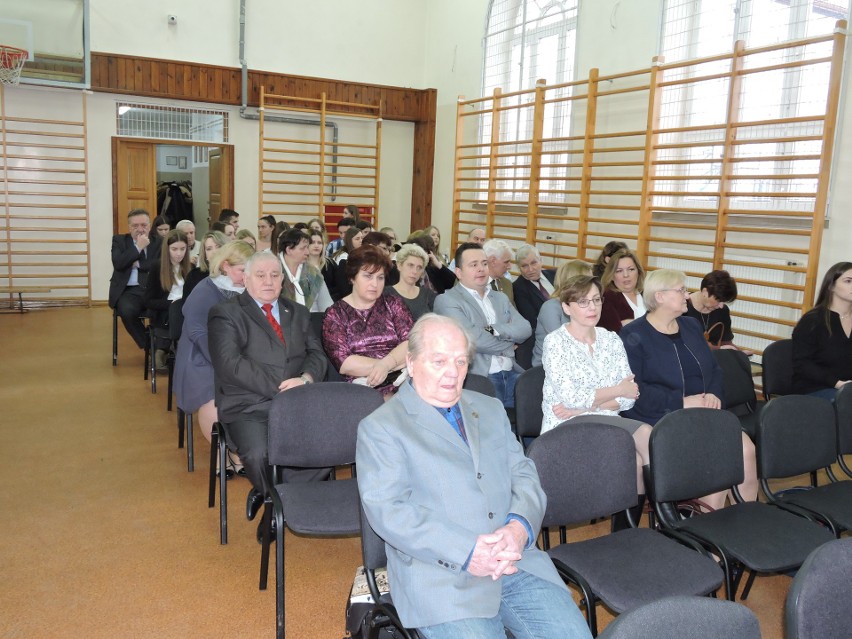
(639, 307)
(572, 374)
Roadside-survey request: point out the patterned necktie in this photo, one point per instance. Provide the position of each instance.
(543, 291)
(455, 419)
(494, 285)
(267, 308)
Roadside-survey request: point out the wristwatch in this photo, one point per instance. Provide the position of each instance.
(489, 329)
(305, 380)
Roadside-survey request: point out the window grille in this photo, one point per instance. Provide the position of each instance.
(163, 122)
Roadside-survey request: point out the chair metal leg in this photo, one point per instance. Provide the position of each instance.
(152, 360)
(190, 449)
(214, 448)
(279, 575)
(181, 423)
(751, 575)
(266, 523)
(171, 383)
(223, 490)
(114, 337)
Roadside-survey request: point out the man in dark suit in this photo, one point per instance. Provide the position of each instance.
(535, 286)
(261, 344)
(448, 488)
(133, 255)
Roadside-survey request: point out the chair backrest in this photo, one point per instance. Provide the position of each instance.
(331, 374)
(818, 600)
(587, 470)
(796, 435)
(843, 413)
(529, 389)
(685, 618)
(695, 452)
(315, 426)
(176, 319)
(740, 397)
(778, 368)
(480, 384)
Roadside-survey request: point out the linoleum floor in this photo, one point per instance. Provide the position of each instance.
(105, 534)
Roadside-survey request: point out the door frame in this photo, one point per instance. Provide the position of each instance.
(229, 177)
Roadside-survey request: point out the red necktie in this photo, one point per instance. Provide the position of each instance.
(267, 308)
(543, 290)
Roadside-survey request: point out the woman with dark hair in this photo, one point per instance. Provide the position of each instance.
(622, 283)
(265, 228)
(165, 285)
(675, 368)
(160, 227)
(317, 242)
(278, 231)
(822, 340)
(708, 306)
(438, 276)
(316, 224)
(365, 334)
(211, 241)
(609, 249)
(352, 239)
(302, 283)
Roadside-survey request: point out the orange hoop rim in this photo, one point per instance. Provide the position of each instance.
(9, 55)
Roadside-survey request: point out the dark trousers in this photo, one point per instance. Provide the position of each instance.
(249, 439)
(129, 308)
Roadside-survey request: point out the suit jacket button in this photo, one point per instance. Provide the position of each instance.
(490, 515)
(479, 475)
(453, 567)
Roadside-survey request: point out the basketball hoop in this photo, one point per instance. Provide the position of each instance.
(11, 63)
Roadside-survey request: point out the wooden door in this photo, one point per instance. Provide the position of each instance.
(135, 180)
(221, 180)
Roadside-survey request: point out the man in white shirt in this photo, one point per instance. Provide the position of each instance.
(494, 324)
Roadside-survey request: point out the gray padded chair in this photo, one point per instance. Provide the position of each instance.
(797, 434)
(740, 398)
(843, 413)
(778, 369)
(588, 471)
(528, 396)
(312, 427)
(697, 452)
(818, 600)
(685, 618)
(480, 384)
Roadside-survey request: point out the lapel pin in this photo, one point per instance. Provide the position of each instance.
(475, 414)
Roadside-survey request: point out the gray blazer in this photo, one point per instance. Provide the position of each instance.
(550, 317)
(511, 327)
(429, 495)
(250, 361)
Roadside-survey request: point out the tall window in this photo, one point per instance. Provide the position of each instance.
(702, 28)
(525, 41)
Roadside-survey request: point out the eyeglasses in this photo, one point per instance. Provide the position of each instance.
(682, 290)
(584, 303)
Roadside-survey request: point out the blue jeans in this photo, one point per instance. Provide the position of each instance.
(504, 385)
(530, 607)
(825, 393)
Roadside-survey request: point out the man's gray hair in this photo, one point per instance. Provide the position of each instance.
(497, 248)
(417, 341)
(262, 256)
(184, 224)
(525, 251)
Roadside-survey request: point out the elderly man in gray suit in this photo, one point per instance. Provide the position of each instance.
(497, 328)
(448, 488)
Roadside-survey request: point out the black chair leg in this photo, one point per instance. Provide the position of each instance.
(223, 489)
(214, 448)
(171, 381)
(751, 575)
(266, 524)
(279, 575)
(181, 421)
(114, 337)
(190, 449)
(153, 361)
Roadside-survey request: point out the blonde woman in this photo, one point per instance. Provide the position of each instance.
(551, 315)
(411, 260)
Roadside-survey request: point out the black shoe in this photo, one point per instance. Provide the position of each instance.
(229, 474)
(272, 530)
(253, 503)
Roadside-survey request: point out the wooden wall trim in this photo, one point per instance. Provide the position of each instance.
(176, 80)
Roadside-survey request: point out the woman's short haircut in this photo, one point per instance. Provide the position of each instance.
(525, 251)
(367, 258)
(567, 271)
(377, 238)
(411, 250)
(578, 287)
(219, 239)
(234, 253)
(423, 240)
(290, 239)
(660, 280)
(720, 285)
(609, 272)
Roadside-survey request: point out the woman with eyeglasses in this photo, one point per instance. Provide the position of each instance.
(622, 282)
(586, 373)
(674, 365)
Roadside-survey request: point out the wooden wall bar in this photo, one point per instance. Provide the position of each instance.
(174, 80)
